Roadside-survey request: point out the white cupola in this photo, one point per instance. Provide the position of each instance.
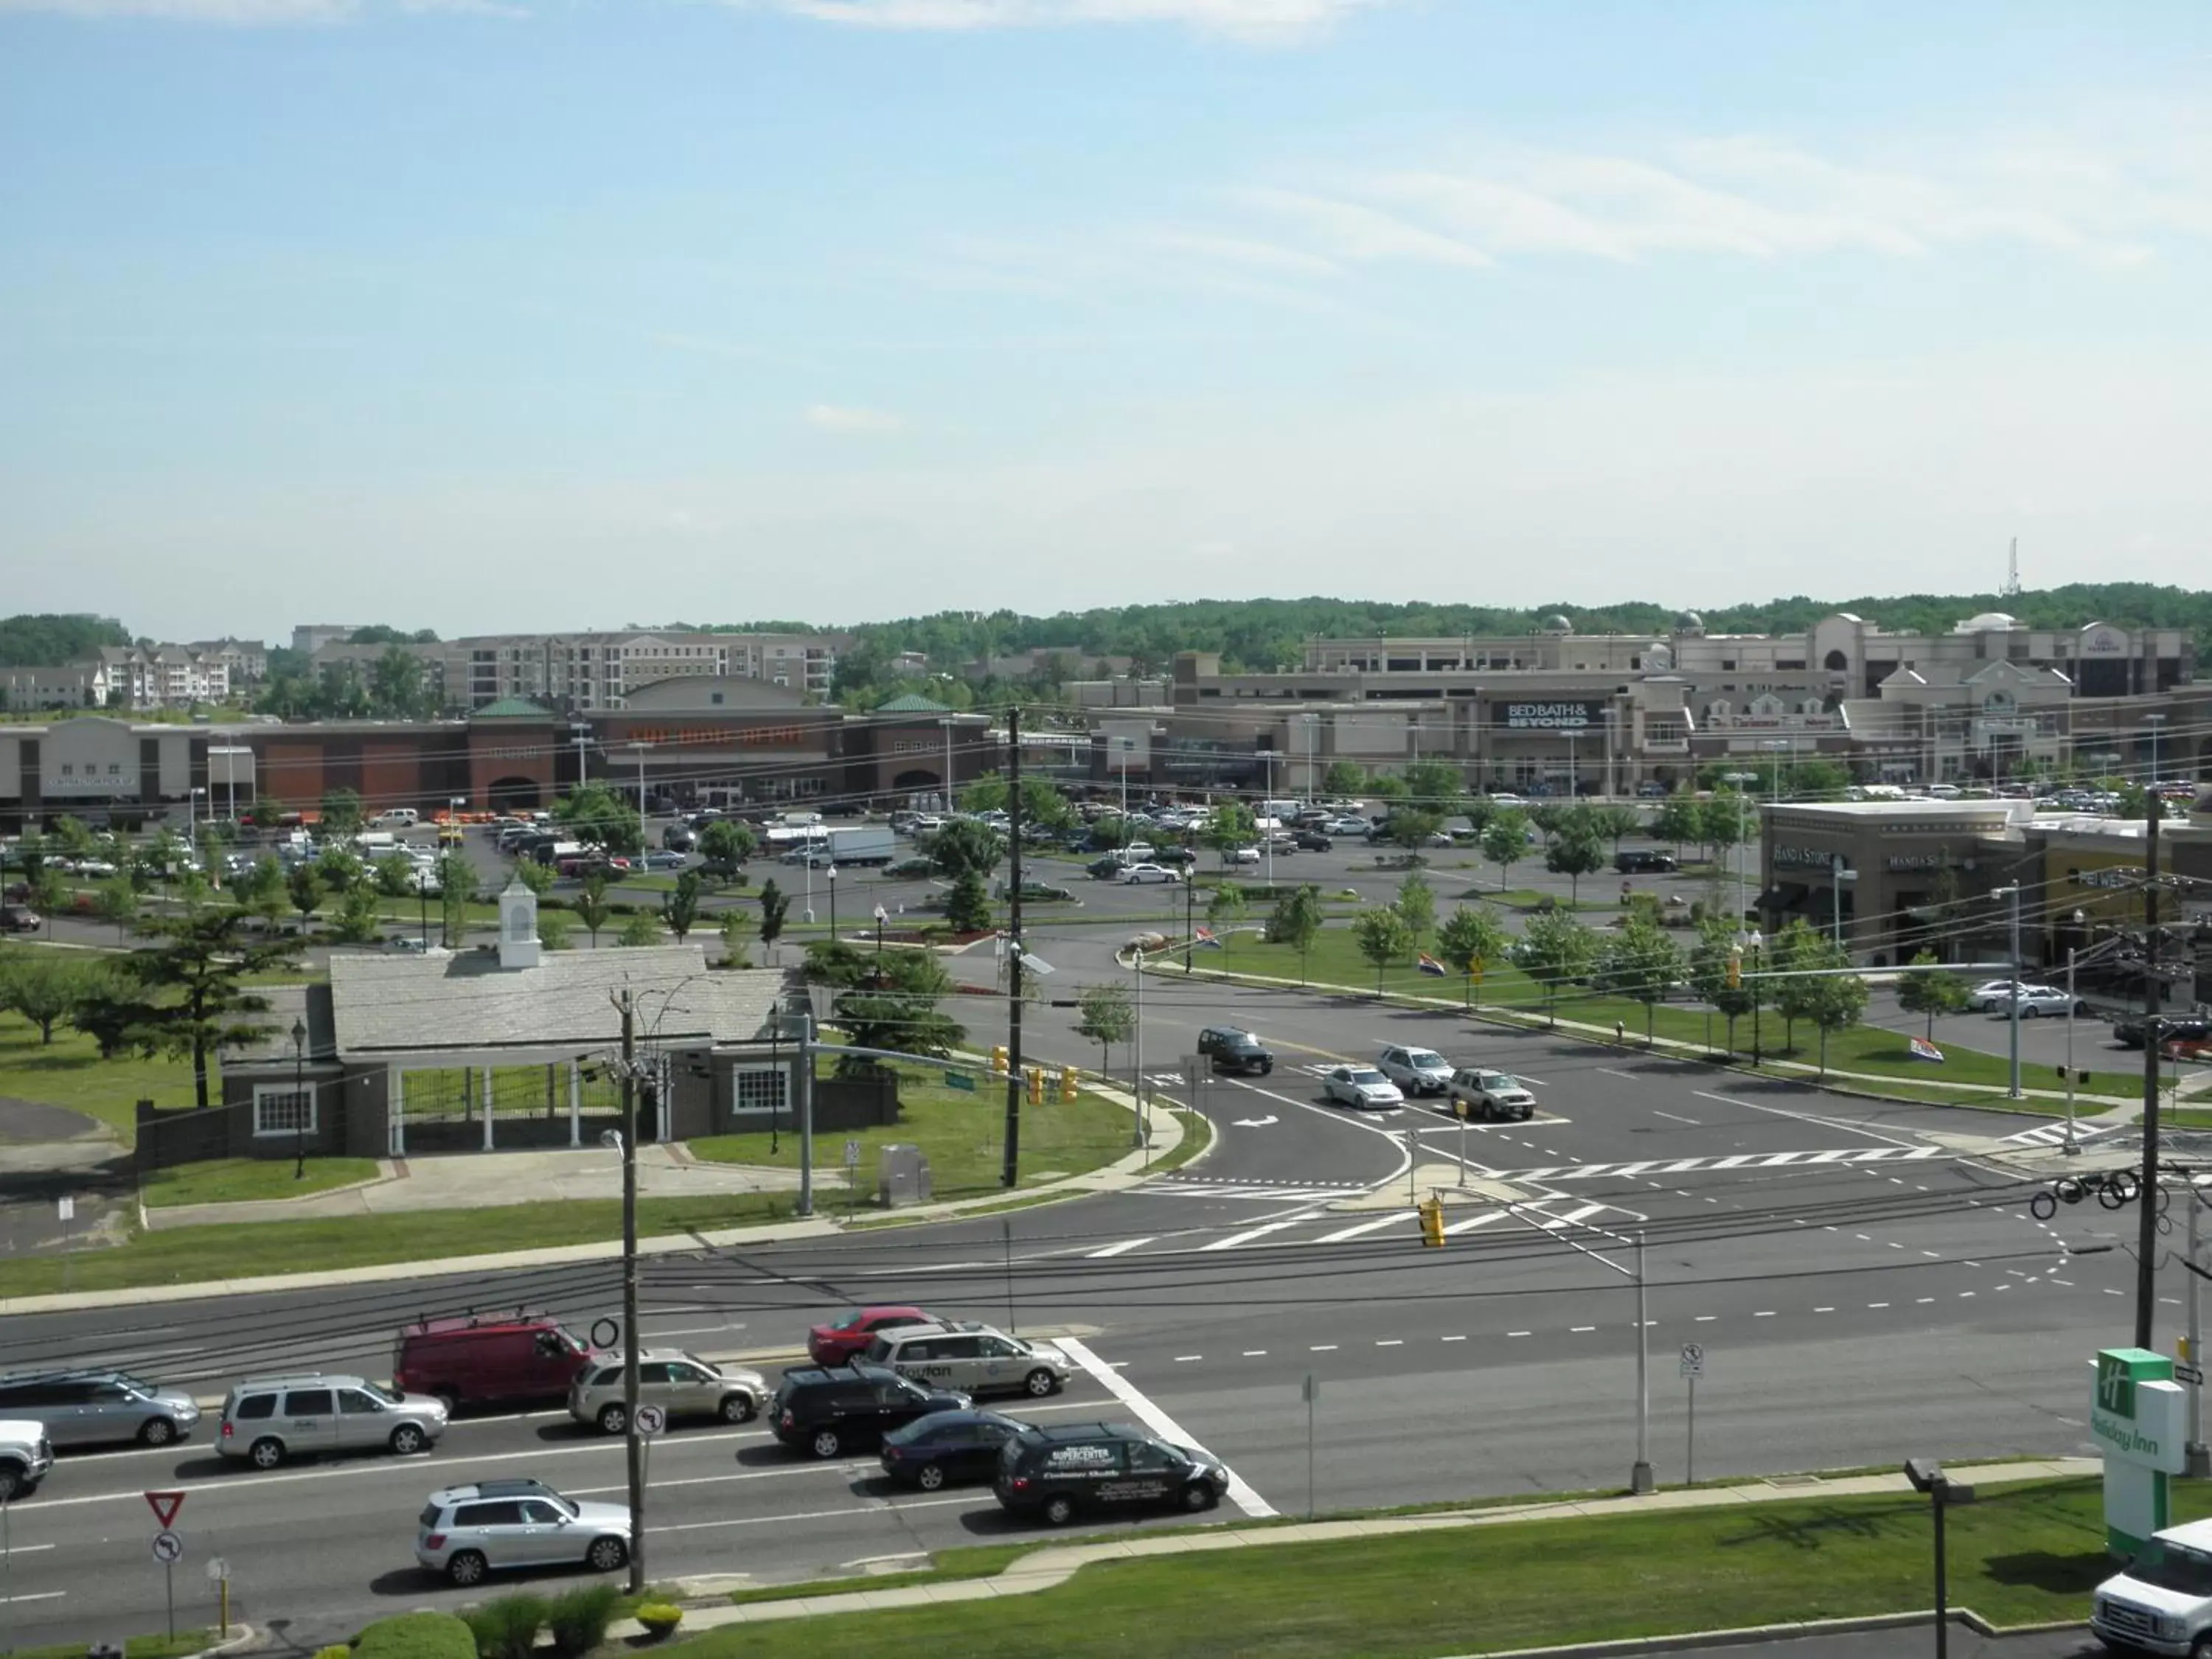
(517, 927)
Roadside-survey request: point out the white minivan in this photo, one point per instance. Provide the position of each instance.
(396, 818)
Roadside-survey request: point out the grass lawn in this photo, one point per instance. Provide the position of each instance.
(250, 1249)
(69, 1072)
(135, 1647)
(960, 1132)
(2027, 1552)
(229, 1180)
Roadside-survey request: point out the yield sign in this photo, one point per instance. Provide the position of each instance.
(165, 1505)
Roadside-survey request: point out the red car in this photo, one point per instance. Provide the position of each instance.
(848, 1336)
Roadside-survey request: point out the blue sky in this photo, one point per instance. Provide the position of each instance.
(573, 313)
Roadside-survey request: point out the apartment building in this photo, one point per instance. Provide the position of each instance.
(246, 661)
(583, 672)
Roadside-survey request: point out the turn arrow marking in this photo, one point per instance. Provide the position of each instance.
(1253, 1122)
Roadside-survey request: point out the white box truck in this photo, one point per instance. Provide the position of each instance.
(862, 843)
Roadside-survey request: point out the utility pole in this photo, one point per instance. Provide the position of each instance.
(2013, 1091)
(2146, 1232)
(1011, 1171)
(635, 1446)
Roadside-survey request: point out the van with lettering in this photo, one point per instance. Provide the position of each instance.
(1058, 1473)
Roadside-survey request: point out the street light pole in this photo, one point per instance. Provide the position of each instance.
(298, 1097)
(634, 1443)
(831, 873)
(882, 917)
(1639, 1477)
(2012, 893)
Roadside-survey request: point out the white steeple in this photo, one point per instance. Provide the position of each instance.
(517, 927)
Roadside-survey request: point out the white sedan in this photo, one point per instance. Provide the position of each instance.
(1360, 1085)
(1994, 994)
(2037, 1000)
(1137, 873)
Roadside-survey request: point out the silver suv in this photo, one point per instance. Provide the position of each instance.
(681, 1384)
(971, 1359)
(465, 1532)
(24, 1457)
(1416, 1070)
(268, 1421)
(88, 1408)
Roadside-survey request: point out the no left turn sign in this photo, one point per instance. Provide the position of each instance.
(168, 1548)
(651, 1419)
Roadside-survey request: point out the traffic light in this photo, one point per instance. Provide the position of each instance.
(1432, 1222)
(1037, 1084)
(998, 1060)
(1067, 1075)
(1735, 971)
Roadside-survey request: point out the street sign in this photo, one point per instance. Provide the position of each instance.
(165, 1505)
(65, 1208)
(217, 1570)
(2188, 1373)
(1694, 1359)
(1312, 1387)
(168, 1548)
(651, 1420)
(852, 1154)
(960, 1080)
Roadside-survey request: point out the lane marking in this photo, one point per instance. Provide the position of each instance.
(1474, 1221)
(1240, 1492)
(1248, 1234)
(811, 1514)
(1848, 1128)
(1389, 1342)
(1117, 1249)
(1675, 1117)
(1344, 1233)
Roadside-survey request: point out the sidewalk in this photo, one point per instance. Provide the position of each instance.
(1133, 1169)
(1046, 1568)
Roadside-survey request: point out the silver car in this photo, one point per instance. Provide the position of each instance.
(465, 1531)
(681, 1384)
(1477, 1092)
(972, 1358)
(1416, 1070)
(1360, 1085)
(91, 1408)
(269, 1421)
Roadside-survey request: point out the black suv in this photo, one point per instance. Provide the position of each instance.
(826, 1410)
(1312, 840)
(1232, 1050)
(1645, 861)
(2179, 1027)
(1055, 1471)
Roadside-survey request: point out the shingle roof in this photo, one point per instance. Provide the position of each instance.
(509, 708)
(400, 1005)
(912, 703)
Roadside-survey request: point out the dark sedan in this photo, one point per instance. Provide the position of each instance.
(945, 1447)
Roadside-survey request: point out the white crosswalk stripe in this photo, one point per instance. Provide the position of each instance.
(1551, 1212)
(1849, 1155)
(2054, 1134)
(1288, 1194)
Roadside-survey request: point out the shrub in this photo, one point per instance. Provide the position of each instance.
(580, 1618)
(417, 1636)
(506, 1627)
(658, 1618)
(335, 1650)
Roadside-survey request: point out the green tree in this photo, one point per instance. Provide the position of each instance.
(193, 992)
(591, 907)
(457, 889)
(106, 1009)
(1717, 957)
(1795, 950)
(263, 892)
(1727, 820)
(1612, 823)
(967, 904)
(340, 868)
(1639, 961)
(734, 926)
(1469, 940)
(1555, 949)
(357, 918)
(1231, 827)
(538, 878)
(679, 907)
(775, 903)
(341, 811)
(1930, 993)
(553, 930)
(1383, 939)
(1433, 785)
(964, 847)
(394, 875)
(897, 1009)
(42, 986)
(75, 837)
(1108, 1016)
(1505, 841)
(1225, 905)
(265, 814)
(725, 844)
(1391, 789)
(1295, 921)
(1574, 852)
(599, 817)
(1344, 777)
(1410, 826)
(1839, 1000)
(1041, 801)
(115, 901)
(639, 929)
(1416, 905)
(1680, 821)
(305, 886)
(50, 894)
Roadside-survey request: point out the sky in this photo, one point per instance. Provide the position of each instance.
(492, 315)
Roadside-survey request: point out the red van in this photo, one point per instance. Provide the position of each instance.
(473, 1360)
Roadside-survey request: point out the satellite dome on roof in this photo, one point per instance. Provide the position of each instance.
(1558, 623)
(1689, 622)
(1987, 620)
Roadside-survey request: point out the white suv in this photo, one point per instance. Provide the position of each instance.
(1416, 1070)
(465, 1532)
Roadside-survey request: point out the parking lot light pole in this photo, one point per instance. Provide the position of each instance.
(1639, 1477)
(299, 1099)
(1927, 1475)
(2012, 894)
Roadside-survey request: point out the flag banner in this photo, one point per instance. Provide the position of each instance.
(1429, 964)
(1923, 1049)
(1207, 939)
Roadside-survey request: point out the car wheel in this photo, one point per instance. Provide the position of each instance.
(156, 1431)
(606, 1554)
(739, 1408)
(1041, 1382)
(466, 1568)
(825, 1442)
(12, 1485)
(930, 1477)
(1199, 1497)
(449, 1400)
(266, 1453)
(1059, 1509)
(613, 1419)
(407, 1440)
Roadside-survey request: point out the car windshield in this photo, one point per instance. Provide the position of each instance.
(387, 1393)
(1364, 1074)
(1427, 1059)
(1498, 1080)
(2173, 1567)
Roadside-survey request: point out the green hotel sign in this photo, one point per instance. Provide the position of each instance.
(2136, 1411)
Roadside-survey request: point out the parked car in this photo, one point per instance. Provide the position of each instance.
(1416, 1070)
(1243, 855)
(1641, 861)
(681, 1384)
(26, 1455)
(659, 860)
(2036, 1000)
(1991, 994)
(831, 1409)
(1492, 1096)
(936, 1451)
(274, 1419)
(96, 1407)
(1356, 827)
(465, 1531)
(1041, 892)
(2127, 1029)
(915, 869)
(1108, 868)
(519, 1360)
(1229, 1050)
(972, 1358)
(848, 1336)
(680, 838)
(1360, 1085)
(1313, 841)
(1057, 1473)
(1138, 874)
(1178, 858)
(20, 918)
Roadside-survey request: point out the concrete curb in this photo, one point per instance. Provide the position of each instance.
(1054, 1564)
(1744, 1636)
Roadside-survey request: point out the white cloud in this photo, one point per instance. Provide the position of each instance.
(850, 421)
(1258, 21)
